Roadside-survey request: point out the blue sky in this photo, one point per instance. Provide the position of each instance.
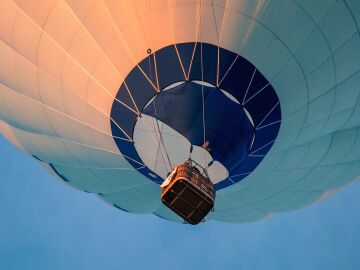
(45, 224)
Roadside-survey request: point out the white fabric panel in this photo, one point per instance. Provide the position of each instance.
(21, 116)
(62, 152)
(120, 178)
(96, 180)
(7, 65)
(231, 211)
(39, 12)
(8, 133)
(84, 179)
(24, 112)
(142, 199)
(322, 177)
(338, 31)
(166, 213)
(8, 14)
(26, 36)
(56, 176)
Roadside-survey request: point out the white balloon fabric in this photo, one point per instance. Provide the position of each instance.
(90, 89)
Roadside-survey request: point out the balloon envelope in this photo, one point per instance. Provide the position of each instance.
(109, 95)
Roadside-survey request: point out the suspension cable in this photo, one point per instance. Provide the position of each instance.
(161, 141)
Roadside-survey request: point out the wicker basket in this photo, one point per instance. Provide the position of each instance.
(188, 193)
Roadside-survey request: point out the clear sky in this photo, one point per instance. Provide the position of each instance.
(45, 224)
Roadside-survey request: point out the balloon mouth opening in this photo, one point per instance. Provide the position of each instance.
(186, 91)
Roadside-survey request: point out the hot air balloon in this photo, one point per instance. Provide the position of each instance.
(112, 96)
